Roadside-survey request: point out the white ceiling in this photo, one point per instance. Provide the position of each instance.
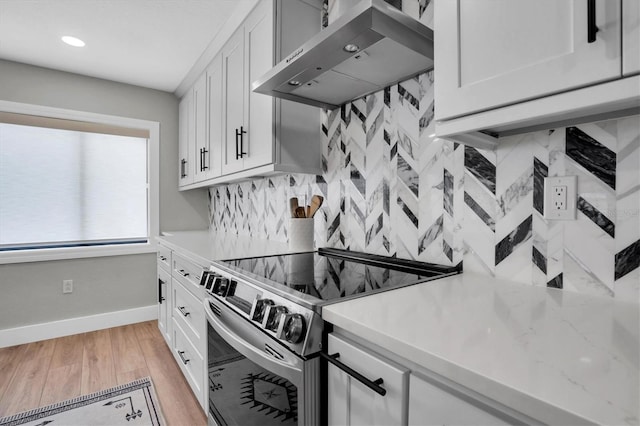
(149, 43)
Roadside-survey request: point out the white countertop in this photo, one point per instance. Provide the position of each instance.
(205, 247)
(557, 356)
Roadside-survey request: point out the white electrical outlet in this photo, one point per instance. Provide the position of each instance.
(67, 286)
(560, 195)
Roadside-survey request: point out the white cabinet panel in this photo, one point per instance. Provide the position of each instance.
(164, 302)
(234, 101)
(211, 155)
(352, 403)
(186, 139)
(164, 258)
(630, 37)
(188, 312)
(258, 142)
(191, 362)
(432, 405)
(499, 52)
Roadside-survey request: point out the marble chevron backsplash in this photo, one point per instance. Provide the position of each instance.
(392, 188)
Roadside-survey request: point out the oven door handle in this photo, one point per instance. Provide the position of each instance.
(290, 367)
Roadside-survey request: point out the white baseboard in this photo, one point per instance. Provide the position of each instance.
(67, 327)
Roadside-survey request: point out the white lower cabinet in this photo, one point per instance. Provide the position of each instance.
(190, 360)
(352, 403)
(414, 395)
(164, 305)
(430, 404)
(181, 318)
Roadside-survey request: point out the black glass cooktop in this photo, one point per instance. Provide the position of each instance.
(331, 274)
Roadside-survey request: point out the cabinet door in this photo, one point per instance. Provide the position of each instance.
(186, 134)
(432, 405)
(191, 362)
(234, 92)
(352, 403)
(164, 293)
(259, 56)
(630, 37)
(499, 52)
(215, 135)
(199, 122)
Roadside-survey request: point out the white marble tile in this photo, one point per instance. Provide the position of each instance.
(577, 277)
(479, 238)
(593, 248)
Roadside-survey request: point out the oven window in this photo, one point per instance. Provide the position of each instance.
(243, 393)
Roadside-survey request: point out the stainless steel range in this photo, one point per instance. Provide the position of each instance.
(266, 330)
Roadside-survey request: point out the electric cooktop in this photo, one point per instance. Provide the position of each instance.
(332, 275)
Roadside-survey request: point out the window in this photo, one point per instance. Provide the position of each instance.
(75, 188)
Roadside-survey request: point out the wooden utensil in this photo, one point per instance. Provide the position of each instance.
(300, 213)
(316, 202)
(293, 206)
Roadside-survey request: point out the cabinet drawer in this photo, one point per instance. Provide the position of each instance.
(191, 362)
(352, 403)
(188, 311)
(164, 258)
(188, 273)
(435, 405)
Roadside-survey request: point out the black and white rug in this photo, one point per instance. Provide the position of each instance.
(135, 403)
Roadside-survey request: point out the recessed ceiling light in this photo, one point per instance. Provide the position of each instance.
(72, 41)
(294, 83)
(351, 48)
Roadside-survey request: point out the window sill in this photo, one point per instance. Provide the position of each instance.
(70, 253)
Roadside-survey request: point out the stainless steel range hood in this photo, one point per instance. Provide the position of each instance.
(327, 72)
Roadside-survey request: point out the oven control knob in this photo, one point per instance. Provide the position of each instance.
(260, 309)
(294, 328)
(274, 316)
(220, 286)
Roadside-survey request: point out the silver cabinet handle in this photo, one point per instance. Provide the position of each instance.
(183, 311)
(184, 360)
(162, 258)
(183, 273)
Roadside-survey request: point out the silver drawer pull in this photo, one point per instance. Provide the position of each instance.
(183, 273)
(184, 360)
(183, 312)
(163, 258)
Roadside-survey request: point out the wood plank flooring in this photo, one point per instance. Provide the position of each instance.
(50, 371)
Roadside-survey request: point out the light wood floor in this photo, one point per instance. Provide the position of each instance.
(50, 371)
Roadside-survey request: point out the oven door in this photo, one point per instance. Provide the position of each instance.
(253, 380)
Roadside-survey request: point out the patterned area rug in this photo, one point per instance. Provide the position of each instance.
(135, 403)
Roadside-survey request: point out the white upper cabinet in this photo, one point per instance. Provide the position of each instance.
(259, 58)
(234, 100)
(506, 67)
(186, 139)
(630, 37)
(200, 142)
(248, 122)
(499, 52)
(249, 134)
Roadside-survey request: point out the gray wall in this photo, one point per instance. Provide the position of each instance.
(31, 293)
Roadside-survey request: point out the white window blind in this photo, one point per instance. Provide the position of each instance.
(61, 187)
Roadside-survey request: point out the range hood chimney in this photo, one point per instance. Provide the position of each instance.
(371, 46)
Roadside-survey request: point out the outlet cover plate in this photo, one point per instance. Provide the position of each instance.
(569, 212)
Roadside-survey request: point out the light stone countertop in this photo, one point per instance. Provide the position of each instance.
(204, 247)
(557, 356)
